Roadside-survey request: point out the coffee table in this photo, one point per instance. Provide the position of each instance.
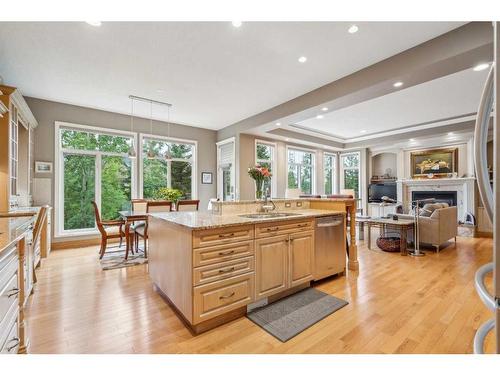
(402, 226)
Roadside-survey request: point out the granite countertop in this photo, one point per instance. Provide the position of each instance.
(20, 211)
(206, 220)
(12, 229)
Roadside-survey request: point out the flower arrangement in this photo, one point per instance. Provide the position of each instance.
(169, 194)
(260, 175)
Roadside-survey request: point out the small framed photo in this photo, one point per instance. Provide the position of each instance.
(206, 177)
(43, 167)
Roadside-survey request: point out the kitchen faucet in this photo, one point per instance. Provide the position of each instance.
(267, 205)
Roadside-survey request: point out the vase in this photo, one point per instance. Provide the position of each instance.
(259, 189)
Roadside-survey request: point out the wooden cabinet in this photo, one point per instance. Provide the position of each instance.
(16, 150)
(301, 258)
(285, 259)
(271, 256)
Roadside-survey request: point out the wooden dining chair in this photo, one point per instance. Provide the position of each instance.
(153, 206)
(188, 205)
(139, 205)
(109, 229)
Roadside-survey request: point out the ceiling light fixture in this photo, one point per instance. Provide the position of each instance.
(319, 117)
(353, 29)
(450, 133)
(412, 140)
(131, 151)
(151, 153)
(278, 123)
(398, 84)
(237, 23)
(363, 131)
(324, 109)
(94, 23)
(287, 139)
(480, 67)
(302, 59)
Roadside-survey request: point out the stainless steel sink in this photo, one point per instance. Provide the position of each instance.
(268, 215)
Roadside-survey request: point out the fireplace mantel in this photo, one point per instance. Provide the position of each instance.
(464, 186)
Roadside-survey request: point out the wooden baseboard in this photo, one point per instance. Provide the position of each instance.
(483, 234)
(75, 244)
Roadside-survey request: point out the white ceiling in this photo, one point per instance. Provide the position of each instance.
(212, 73)
(450, 96)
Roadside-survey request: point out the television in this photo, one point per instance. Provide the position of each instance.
(377, 191)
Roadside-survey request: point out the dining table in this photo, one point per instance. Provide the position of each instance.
(130, 217)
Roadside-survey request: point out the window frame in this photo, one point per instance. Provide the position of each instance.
(313, 166)
(335, 157)
(234, 180)
(342, 169)
(272, 161)
(161, 138)
(59, 153)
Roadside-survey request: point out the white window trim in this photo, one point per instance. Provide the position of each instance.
(59, 182)
(313, 165)
(274, 162)
(194, 160)
(233, 167)
(342, 169)
(334, 169)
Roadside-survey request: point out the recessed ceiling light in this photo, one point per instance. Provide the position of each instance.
(398, 84)
(237, 23)
(324, 109)
(278, 123)
(480, 67)
(302, 59)
(412, 140)
(94, 23)
(319, 117)
(450, 133)
(287, 139)
(363, 131)
(353, 29)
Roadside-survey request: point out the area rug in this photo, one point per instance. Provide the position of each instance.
(289, 316)
(116, 259)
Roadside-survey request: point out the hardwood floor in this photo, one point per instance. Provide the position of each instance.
(396, 305)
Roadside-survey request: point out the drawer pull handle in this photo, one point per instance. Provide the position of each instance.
(222, 253)
(226, 235)
(228, 296)
(272, 229)
(303, 225)
(13, 292)
(227, 270)
(16, 340)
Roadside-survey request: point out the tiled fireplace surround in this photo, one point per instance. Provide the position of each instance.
(463, 186)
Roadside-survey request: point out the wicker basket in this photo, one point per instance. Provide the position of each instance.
(389, 243)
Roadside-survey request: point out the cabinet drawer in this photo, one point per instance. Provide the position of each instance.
(6, 325)
(283, 227)
(219, 297)
(220, 271)
(9, 295)
(216, 236)
(222, 253)
(6, 258)
(11, 344)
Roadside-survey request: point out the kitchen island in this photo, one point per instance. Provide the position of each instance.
(211, 266)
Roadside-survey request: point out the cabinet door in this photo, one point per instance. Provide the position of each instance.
(271, 256)
(301, 258)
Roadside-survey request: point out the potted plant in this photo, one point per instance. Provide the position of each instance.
(260, 175)
(169, 194)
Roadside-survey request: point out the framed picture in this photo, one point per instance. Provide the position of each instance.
(434, 163)
(43, 167)
(206, 177)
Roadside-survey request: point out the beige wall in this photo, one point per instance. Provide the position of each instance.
(48, 112)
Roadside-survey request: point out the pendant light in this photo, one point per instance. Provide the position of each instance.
(168, 154)
(151, 153)
(132, 154)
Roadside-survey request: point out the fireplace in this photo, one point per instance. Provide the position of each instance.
(449, 197)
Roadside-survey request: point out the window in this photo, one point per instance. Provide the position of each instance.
(301, 170)
(226, 179)
(329, 172)
(265, 157)
(91, 165)
(349, 165)
(176, 172)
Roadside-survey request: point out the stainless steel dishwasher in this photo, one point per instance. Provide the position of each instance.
(330, 246)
